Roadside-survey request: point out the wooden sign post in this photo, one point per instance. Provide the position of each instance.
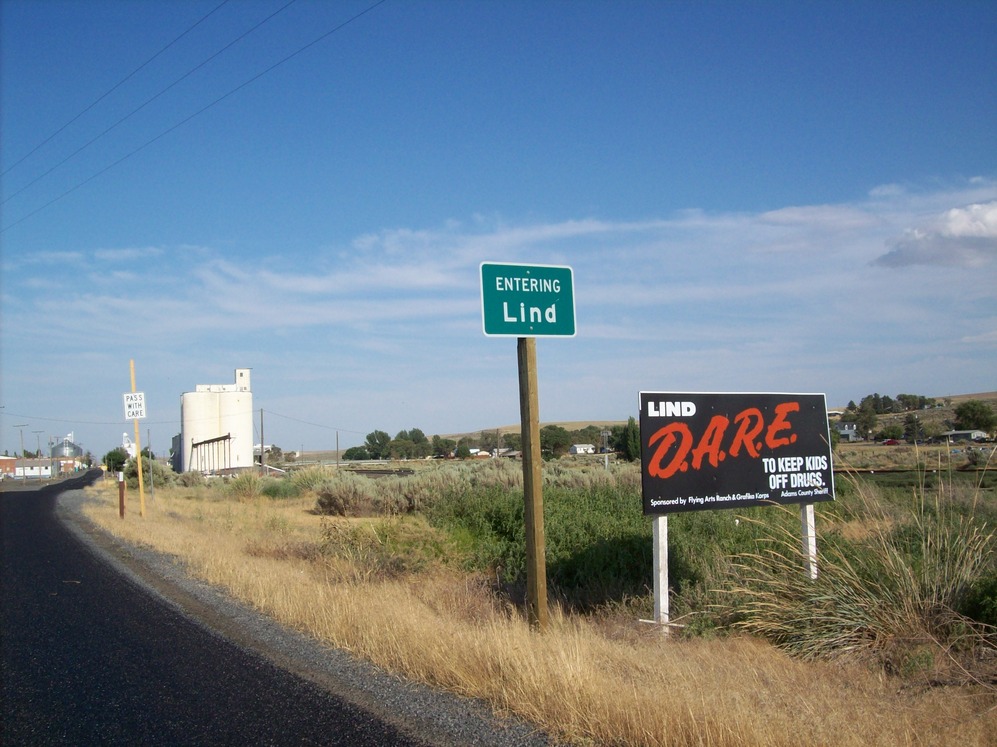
(529, 407)
(135, 410)
(529, 301)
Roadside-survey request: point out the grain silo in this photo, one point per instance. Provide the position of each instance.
(216, 422)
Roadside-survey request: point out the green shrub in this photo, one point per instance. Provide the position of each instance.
(191, 480)
(153, 474)
(597, 540)
(345, 494)
(279, 487)
(981, 600)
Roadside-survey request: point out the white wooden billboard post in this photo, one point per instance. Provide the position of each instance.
(809, 539)
(660, 531)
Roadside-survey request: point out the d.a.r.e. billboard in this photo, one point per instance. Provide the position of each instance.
(707, 451)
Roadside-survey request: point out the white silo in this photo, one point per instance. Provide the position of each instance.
(217, 425)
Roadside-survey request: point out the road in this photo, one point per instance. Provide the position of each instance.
(89, 658)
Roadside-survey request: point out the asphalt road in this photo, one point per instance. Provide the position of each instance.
(89, 658)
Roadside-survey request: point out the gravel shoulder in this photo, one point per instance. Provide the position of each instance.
(433, 717)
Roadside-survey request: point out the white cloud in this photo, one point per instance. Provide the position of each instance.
(55, 259)
(127, 255)
(960, 237)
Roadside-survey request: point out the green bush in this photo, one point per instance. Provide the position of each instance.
(981, 600)
(597, 540)
(153, 474)
(345, 494)
(191, 480)
(279, 487)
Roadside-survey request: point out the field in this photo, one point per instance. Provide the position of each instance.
(422, 575)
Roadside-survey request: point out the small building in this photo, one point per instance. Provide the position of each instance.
(582, 449)
(848, 431)
(972, 435)
(38, 469)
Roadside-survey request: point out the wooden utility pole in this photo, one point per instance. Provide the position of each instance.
(529, 406)
(138, 451)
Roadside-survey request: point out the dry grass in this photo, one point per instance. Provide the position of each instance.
(447, 629)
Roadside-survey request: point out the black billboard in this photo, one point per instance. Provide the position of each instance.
(709, 451)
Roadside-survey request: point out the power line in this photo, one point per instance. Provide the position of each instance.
(111, 90)
(87, 422)
(195, 114)
(316, 425)
(148, 101)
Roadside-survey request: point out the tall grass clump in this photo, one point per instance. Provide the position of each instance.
(246, 486)
(383, 549)
(891, 589)
(308, 479)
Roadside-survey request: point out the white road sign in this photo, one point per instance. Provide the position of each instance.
(134, 405)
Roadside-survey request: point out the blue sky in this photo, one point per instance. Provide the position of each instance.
(756, 196)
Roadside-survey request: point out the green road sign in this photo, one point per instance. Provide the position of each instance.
(527, 300)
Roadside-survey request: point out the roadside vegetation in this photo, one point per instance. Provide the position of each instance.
(422, 574)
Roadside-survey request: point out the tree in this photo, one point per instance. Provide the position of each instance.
(401, 448)
(909, 402)
(973, 415)
(488, 441)
(377, 444)
(864, 417)
(115, 459)
(913, 428)
(443, 447)
(411, 444)
(554, 441)
(932, 430)
(894, 430)
(629, 443)
(590, 434)
(356, 453)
